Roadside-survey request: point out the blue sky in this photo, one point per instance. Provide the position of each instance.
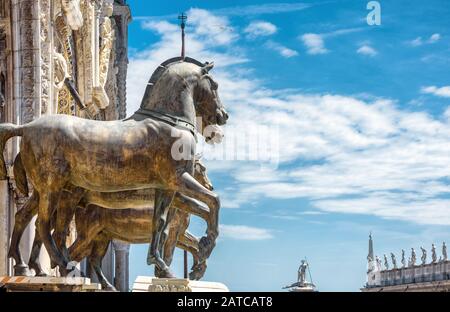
(363, 118)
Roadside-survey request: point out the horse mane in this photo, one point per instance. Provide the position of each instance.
(161, 69)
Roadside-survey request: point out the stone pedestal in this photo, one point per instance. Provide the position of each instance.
(153, 284)
(49, 284)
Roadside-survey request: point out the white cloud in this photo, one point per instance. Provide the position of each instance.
(260, 29)
(343, 154)
(314, 43)
(434, 38)
(281, 49)
(442, 91)
(367, 50)
(419, 40)
(243, 232)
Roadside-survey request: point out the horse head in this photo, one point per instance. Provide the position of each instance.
(201, 176)
(186, 90)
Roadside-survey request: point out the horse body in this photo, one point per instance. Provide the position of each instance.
(106, 157)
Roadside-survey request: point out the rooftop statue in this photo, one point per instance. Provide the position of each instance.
(386, 263)
(403, 259)
(433, 253)
(444, 252)
(302, 284)
(424, 255)
(394, 261)
(412, 261)
(378, 261)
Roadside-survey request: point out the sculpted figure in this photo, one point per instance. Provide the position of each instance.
(61, 71)
(378, 263)
(433, 253)
(60, 151)
(72, 12)
(301, 279)
(394, 261)
(386, 263)
(444, 252)
(424, 255)
(403, 259)
(413, 257)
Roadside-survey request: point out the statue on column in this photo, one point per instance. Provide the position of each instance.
(444, 252)
(412, 261)
(403, 259)
(301, 279)
(424, 255)
(433, 253)
(386, 262)
(394, 261)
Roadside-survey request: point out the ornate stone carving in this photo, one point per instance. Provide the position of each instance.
(106, 45)
(46, 52)
(73, 14)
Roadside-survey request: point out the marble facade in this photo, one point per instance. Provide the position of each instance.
(46, 46)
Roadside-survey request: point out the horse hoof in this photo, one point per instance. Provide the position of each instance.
(166, 274)
(22, 270)
(198, 271)
(206, 246)
(41, 274)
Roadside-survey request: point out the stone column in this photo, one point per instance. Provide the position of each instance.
(122, 251)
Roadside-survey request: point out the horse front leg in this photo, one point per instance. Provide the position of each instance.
(34, 262)
(47, 204)
(187, 185)
(64, 215)
(98, 251)
(163, 201)
(190, 243)
(22, 218)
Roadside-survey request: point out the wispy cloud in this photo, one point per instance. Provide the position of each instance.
(315, 43)
(367, 50)
(243, 232)
(261, 9)
(420, 41)
(245, 10)
(442, 91)
(260, 29)
(281, 49)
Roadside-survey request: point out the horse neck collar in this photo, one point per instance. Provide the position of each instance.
(169, 119)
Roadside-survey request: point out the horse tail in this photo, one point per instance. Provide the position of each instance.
(20, 175)
(7, 131)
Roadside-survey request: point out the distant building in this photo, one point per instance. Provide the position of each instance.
(407, 275)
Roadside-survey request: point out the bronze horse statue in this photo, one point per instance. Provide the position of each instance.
(97, 227)
(65, 152)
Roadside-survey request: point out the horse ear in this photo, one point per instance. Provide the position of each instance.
(207, 67)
